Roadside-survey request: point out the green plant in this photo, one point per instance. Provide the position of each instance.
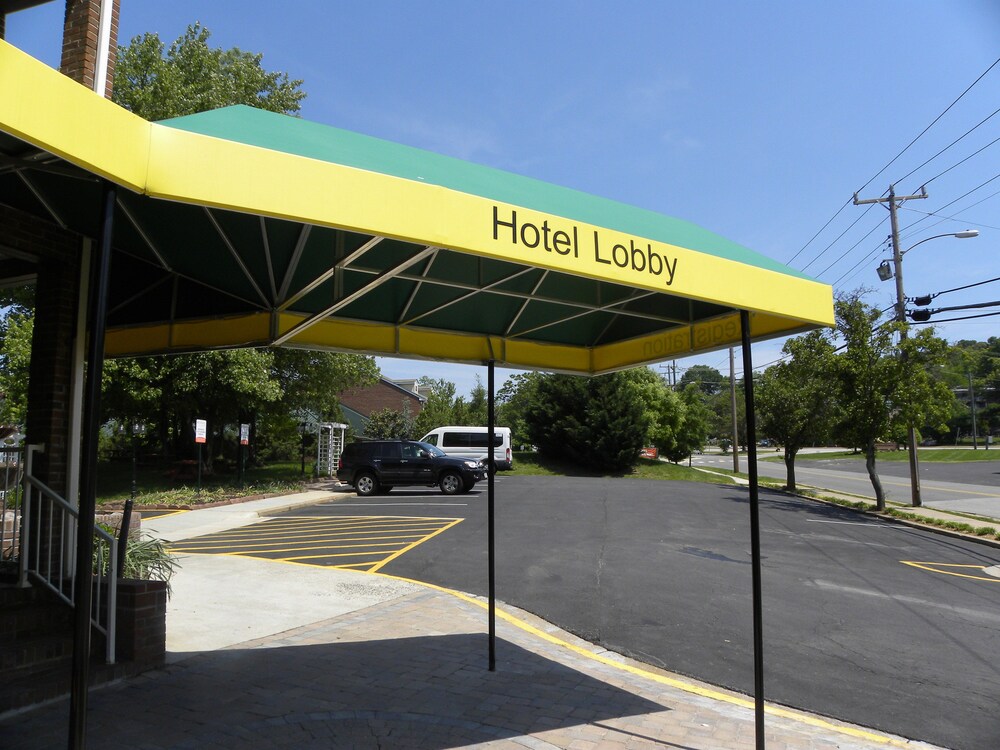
(146, 558)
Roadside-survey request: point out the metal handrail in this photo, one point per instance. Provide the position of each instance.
(10, 502)
(47, 559)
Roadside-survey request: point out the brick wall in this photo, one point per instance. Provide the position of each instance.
(81, 32)
(142, 622)
(56, 290)
(380, 396)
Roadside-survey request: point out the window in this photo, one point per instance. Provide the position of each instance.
(388, 450)
(470, 440)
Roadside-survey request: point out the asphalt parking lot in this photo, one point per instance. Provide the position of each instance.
(870, 621)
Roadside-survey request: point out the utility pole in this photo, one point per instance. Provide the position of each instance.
(893, 202)
(972, 402)
(732, 401)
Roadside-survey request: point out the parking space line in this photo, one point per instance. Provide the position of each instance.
(932, 567)
(357, 542)
(420, 541)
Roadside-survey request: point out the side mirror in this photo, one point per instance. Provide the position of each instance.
(424, 454)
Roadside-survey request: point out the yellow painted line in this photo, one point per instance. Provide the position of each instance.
(306, 557)
(250, 549)
(162, 514)
(253, 541)
(389, 559)
(315, 537)
(674, 682)
(932, 567)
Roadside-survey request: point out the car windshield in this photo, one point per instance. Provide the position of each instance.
(432, 449)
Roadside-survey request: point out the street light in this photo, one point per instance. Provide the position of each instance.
(897, 261)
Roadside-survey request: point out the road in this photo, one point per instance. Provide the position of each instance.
(866, 620)
(971, 487)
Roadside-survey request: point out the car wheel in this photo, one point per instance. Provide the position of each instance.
(451, 483)
(366, 484)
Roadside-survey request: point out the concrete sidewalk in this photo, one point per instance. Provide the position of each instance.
(265, 654)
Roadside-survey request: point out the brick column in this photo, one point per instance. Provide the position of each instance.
(81, 34)
(56, 291)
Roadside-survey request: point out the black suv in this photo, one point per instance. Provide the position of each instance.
(379, 465)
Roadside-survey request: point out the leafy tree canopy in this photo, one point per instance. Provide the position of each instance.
(795, 401)
(157, 82)
(599, 423)
(708, 380)
(884, 387)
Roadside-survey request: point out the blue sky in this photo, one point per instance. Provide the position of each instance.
(756, 120)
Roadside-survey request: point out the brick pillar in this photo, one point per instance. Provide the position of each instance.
(81, 34)
(50, 375)
(58, 261)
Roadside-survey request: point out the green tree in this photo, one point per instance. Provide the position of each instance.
(664, 409)
(438, 410)
(795, 403)
(708, 380)
(720, 404)
(599, 423)
(15, 361)
(693, 429)
(390, 424)
(513, 399)
(190, 76)
(885, 386)
(17, 306)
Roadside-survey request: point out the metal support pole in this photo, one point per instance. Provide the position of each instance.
(758, 607)
(491, 428)
(732, 402)
(84, 582)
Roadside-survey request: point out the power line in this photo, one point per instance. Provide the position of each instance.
(967, 286)
(952, 320)
(967, 132)
(934, 122)
(876, 175)
(870, 256)
(974, 153)
(954, 216)
(818, 233)
(978, 187)
(853, 224)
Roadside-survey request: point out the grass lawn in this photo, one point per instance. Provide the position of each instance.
(532, 464)
(935, 455)
(178, 484)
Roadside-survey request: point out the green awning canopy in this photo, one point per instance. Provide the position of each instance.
(240, 227)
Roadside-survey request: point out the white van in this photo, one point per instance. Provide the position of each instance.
(471, 442)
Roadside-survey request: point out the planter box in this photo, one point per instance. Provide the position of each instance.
(142, 622)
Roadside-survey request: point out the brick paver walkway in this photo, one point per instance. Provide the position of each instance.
(411, 673)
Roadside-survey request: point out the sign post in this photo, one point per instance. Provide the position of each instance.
(200, 433)
(244, 442)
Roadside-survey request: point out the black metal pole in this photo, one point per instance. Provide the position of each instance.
(491, 428)
(83, 589)
(758, 608)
